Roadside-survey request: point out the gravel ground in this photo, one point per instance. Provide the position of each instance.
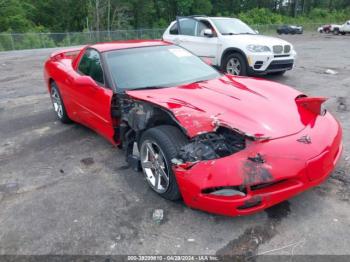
(65, 190)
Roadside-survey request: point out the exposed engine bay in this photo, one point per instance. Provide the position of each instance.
(207, 146)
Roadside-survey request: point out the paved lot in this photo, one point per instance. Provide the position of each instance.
(65, 190)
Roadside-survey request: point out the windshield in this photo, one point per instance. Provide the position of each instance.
(232, 26)
(156, 67)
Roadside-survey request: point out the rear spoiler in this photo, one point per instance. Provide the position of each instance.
(69, 53)
(313, 104)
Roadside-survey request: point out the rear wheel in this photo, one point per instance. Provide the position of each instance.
(235, 64)
(158, 146)
(58, 104)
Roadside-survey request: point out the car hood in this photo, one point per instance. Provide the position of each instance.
(255, 107)
(255, 39)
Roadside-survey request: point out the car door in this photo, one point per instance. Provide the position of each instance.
(188, 33)
(91, 94)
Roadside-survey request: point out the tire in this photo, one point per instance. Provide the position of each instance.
(343, 33)
(336, 31)
(58, 104)
(233, 58)
(165, 142)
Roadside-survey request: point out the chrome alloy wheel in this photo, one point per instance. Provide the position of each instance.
(154, 166)
(233, 66)
(57, 102)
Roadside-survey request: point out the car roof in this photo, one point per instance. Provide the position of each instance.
(116, 45)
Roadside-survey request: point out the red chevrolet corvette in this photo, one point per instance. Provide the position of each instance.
(225, 144)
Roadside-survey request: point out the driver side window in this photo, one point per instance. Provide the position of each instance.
(90, 65)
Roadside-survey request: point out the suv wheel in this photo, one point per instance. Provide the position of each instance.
(235, 64)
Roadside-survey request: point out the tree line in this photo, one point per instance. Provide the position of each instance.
(105, 15)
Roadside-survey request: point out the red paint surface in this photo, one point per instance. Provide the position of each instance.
(253, 106)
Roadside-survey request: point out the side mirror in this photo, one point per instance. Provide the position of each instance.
(208, 32)
(85, 81)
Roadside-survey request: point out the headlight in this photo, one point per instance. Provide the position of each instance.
(258, 48)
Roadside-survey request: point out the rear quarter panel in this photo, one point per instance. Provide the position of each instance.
(58, 68)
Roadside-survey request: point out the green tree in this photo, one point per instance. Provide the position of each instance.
(202, 7)
(13, 17)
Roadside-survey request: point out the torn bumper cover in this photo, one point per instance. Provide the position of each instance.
(262, 174)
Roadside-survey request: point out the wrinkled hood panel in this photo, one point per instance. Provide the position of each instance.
(253, 106)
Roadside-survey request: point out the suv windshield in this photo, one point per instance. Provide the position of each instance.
(156, 67)
(232, 26)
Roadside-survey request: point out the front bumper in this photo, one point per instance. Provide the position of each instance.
(259, 64)
(290, 168)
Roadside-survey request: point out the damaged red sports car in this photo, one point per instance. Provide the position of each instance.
(225, 144)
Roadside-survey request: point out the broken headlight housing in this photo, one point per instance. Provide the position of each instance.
(223, 142)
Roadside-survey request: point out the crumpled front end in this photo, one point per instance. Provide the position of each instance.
(257, 173)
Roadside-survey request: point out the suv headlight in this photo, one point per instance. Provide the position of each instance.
(258, 48)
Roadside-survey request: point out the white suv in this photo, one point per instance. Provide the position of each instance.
(231, 45)
(345, 28)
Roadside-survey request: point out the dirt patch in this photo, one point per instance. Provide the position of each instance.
(338, 186)
(245, 247)
(89, 161)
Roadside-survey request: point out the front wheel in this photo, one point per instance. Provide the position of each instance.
(158, 146)
(235, 64)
